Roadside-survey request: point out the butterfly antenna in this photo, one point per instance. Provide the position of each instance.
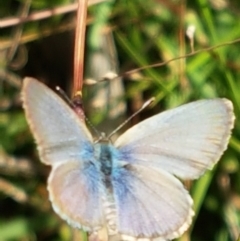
(64, 96)
(147, 103)
(99, 134)
(77, 105)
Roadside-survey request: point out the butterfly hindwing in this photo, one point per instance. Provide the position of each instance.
(150, 203)
(76, 191)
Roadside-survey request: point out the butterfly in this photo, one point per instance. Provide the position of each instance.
(129, 187)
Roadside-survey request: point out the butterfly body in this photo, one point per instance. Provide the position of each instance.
(130, 186)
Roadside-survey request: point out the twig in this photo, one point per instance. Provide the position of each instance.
(9, 22)
(38, 15)
(179, 57)
(17, 32)
(12, 166)
(13, 191)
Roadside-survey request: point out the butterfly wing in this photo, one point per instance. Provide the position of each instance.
(75, 190)
(184, 141)
(59, 133)
(64, 142)
(151, 203)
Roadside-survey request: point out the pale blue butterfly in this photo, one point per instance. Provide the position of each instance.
(130, 187)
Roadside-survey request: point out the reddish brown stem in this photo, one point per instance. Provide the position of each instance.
(79, 46)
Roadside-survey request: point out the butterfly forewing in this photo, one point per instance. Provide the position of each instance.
(60, 135)
(184, 141)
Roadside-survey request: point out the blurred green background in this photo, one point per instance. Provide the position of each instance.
(142, 33)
